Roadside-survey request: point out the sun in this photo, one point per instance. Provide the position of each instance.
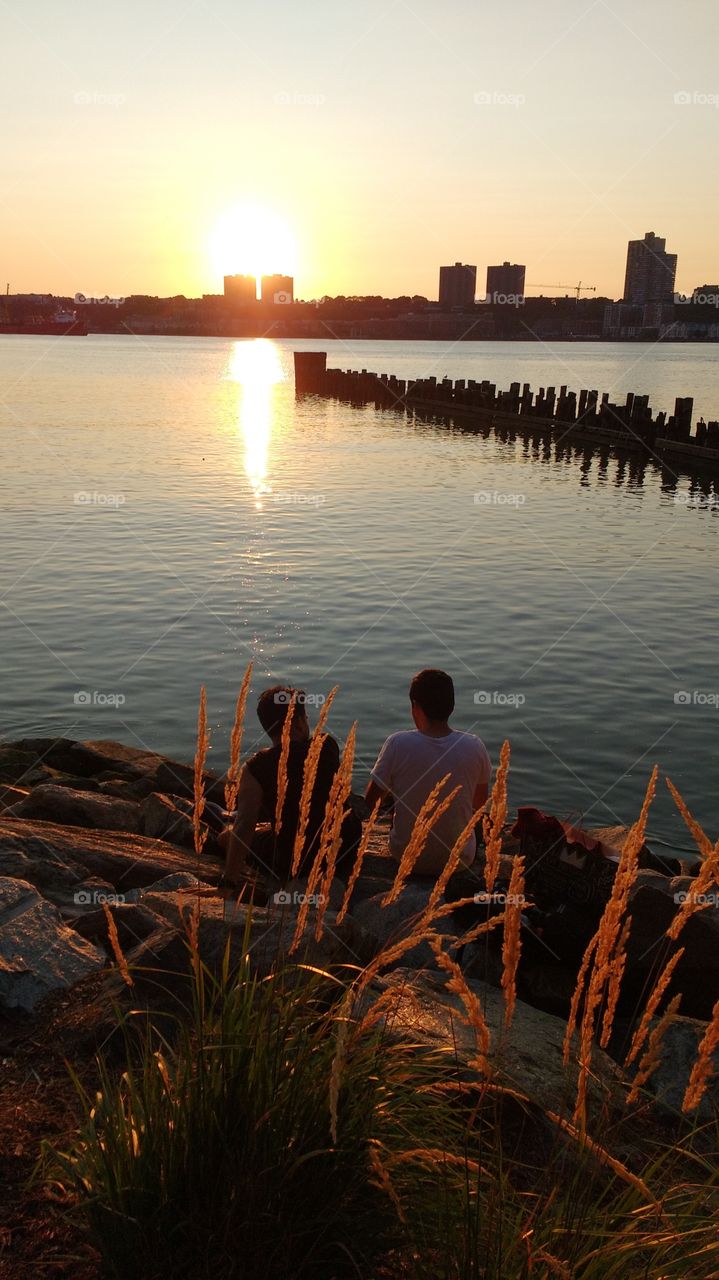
(251, 239)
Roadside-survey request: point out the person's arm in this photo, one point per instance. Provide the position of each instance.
(238, 839)
(379, 786)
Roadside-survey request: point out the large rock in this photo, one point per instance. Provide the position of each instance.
(72, 808)
(384, 926)
(166, 819)
(529, 1056)
(677, 1055)
(60, 859)
(38, 952)
(653, 905)
(88, 759)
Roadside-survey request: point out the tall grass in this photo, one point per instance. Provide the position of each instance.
(284, 1131)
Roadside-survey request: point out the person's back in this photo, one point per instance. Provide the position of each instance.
(412, 762)
(264, 768)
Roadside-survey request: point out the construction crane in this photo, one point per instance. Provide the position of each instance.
(577, 288)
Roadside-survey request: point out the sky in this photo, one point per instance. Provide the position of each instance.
(359, 145)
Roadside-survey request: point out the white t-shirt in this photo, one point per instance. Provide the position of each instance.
(409, 765)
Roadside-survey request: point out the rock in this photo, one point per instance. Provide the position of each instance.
(38, 952)
(179, 780)
(678, 1052)
(386, 925)
(168, 884)
(128, 788)
(528, 1056)
(166, 819)
(88, 759)
(10, 796)
(59, 859)
(653, 905)
(52, 803)
(134, 924)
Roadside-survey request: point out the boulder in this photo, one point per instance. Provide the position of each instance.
(677, 1055)
(72, 808)
(177, 779)
(133, 922)
(38, 952)
(88, 759)
(168, 884)
(166, 819)
(384, 926)
(59, 859)
(653, 905)
(528, 1056)
(10, 796)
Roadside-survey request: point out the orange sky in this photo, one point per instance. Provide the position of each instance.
(383, 139)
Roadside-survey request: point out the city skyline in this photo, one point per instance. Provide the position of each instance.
(543, 137)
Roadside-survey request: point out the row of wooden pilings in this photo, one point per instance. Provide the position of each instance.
(466, 398)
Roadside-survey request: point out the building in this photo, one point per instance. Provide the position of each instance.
(651, 271)
(278, 289)
(505, 282)
(241, 291)
(457, 286)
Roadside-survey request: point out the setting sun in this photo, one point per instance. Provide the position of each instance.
(253, 240)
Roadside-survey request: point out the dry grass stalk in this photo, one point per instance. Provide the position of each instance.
(116, 948)
(339, 1060)
(698, 897)
(554, 1266)
(203, 741)
(385, 1182)
(609, 931)
(614, 982)
(702, 840)
(577, 996)
(436, 1155)
(495, 819)
(429, 814)
(652, 1055)
(332, 829)
(452, 861)
(660, 987)
(476, 930)
(362, 847)
(511, 940)
(474, 1015)
(282, 765)
(232, 780)
(703, 1068)
(312, 760)
(603, 1156)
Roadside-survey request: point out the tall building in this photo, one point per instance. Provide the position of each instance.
(241, 291)
(277, 289)
(457, 286)
(505, 281)
(651, 271)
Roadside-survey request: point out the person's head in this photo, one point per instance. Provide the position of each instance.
(431, 694)
(273, 708)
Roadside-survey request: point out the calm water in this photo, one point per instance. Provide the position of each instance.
(218, 520)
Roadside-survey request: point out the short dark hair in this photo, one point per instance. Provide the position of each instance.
(433, 691)
(273, 705)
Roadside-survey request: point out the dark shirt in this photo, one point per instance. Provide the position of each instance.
(264, 767)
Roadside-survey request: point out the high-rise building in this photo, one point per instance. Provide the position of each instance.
(506, 281)
(277, 289)
(241, 291)
(457, 286)
(651, 271)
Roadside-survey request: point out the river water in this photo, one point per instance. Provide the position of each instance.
(168, 511)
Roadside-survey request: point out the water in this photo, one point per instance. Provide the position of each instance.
(168, 511)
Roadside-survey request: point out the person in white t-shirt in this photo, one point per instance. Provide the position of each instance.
(413, 761)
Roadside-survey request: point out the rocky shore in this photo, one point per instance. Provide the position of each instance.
(96, 829)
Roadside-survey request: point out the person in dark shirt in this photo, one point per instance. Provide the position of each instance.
(273, 852)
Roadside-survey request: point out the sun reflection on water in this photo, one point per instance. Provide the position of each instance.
(256, 367)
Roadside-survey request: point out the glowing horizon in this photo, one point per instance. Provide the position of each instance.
(539, 135)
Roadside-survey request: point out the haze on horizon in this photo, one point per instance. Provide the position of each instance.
(383, 138)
